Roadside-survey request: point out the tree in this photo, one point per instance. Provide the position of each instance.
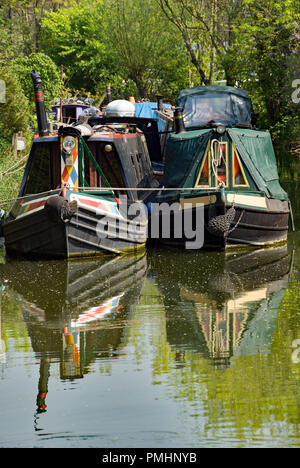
(48, 71)
(14, 112)
(11, 37)
(150, 50)
(207, 31)
(24, 17)
(77, 38)
(270, 31)
(250, 44)
(127, 43)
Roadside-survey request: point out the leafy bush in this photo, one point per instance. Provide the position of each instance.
(48, 71)
(14, 113)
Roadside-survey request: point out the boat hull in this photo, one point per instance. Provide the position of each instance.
(260, 228)
(248, 226)
(85, 232)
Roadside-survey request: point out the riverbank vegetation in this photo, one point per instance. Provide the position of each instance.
(149, 47)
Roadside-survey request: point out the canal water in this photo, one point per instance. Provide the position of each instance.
(170, 349)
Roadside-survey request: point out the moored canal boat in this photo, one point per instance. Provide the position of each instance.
(69, 110)
(77, 191)
(219, 160)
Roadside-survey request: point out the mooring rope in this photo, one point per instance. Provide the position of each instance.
(145, 189)
(12, 169)
(105, 189)
(10, 172)
(216, 160)
(25, 197)
(5, 151)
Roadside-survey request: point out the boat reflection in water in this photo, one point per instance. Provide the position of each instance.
(222, 306)
(75, 311)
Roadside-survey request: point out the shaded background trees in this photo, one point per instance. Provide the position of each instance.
(146, 47)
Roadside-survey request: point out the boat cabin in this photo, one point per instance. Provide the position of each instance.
(219, 145)
(71, 110)
(108, 157)
(78, 188)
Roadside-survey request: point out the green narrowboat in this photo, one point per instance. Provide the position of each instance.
(217, 160)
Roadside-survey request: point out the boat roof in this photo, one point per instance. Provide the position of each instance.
(213, 89)
(205, 105)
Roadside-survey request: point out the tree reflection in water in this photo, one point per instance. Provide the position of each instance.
(217, 330)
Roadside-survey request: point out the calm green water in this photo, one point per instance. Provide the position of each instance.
(167, 350)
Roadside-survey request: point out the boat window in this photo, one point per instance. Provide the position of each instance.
(219, 156)
(203, 177)
(239, 177)
(214, 162)
(111, 167)
(205, 109)
(69, 114)
(39, 177)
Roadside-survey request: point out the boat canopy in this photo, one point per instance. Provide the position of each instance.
(256, 150)
(185, 154)
(149, 110)
(204, 105)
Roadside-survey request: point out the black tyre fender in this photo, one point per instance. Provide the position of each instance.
(59, 207)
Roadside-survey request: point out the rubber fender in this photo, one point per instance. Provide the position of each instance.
(59, 207)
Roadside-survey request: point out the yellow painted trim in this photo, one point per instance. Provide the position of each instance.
(206, 200)
(206, 155)
(234, 152)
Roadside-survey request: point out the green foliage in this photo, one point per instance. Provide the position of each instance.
(14, 113)
(149, 48)
(11, 41)
(268, 38)
(99, 43)
(48, 71)
(14, 117)
(249, 44)
(146, 47)
(11, 173)
(77, 38)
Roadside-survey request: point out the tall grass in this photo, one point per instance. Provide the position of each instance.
(11, 173)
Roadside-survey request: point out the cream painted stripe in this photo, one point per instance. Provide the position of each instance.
(39, 208)
(95, 209)
(234, 305)
(197, 200)
(35, 200)
(259, 202)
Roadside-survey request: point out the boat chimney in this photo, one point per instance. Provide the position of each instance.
(178, 120)
(108, 94)
(160, 105)
(40, 104)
